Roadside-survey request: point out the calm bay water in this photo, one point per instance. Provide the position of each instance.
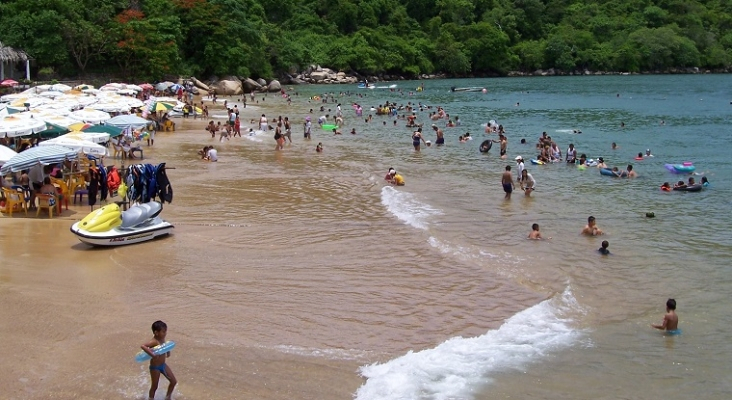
(302, 275)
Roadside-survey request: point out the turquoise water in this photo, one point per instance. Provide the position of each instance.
(683, 252)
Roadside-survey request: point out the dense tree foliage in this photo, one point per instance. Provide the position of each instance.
(147, 39)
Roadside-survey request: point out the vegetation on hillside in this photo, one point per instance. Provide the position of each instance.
(147, 39)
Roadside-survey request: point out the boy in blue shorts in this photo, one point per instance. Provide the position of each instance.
(157, 363)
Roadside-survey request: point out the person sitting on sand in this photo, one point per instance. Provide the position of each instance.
(591, 228)
(212, 154)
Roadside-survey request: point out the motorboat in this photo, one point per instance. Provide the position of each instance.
(467, 89)
(364, 86)
(110, 226)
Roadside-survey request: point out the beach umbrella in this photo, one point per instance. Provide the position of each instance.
(128, 92)
(76, 144)
(164, 85)
(161, 106)
(94, 137)
(59, 120)
(111, 87)
(80, 126)
(147, 86)
(83, 86)
(174, 87)
(59, 87)
(9, 82)
(134, 87)
(127, 121)
(45, 155)
(113, 131)
(90, 115)
(14, 126)
(51, 95)
(6, 153)
(52, 131)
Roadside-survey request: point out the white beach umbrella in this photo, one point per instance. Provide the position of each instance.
(94, 137)
(128, 121)
(6, 154)
(45, 155)
(90, 115)
(59, 87)
(74, 143)
(133, 87)
(13, 126)
(51, 94)
(58, 120)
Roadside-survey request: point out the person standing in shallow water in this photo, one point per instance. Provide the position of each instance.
(507, 182)
(417, 139)
(670, 320)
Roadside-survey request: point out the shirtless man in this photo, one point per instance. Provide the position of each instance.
(440, 135)
(504, 144)
(591, 228)
(631, 173)
(507, 182)
(670, 320)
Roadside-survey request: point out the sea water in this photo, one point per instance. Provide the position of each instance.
(604, 346)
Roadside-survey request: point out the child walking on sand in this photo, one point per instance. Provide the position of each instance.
(157, 363)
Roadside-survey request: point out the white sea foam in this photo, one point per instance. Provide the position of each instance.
(406, 207)
(255, 136)
(333, 354)
(459, 367)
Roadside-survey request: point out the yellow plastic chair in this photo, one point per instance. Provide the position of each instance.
(77, 187)
(169, 126)
(14, 201)
(64, 193)
(46, 201)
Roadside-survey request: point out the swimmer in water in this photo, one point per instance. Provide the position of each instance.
(670, 320)
(615, 146)
(591, 228)
(648, 153)
(319, 148)
(535, 233)
(603, 250)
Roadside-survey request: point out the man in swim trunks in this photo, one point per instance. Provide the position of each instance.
(440, 135)
(504, 144)
(670, 320)
(591, 228)
(507, 182)
(157, 363)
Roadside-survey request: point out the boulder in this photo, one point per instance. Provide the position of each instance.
(250, 85)
(318, 76)
(274, 86)
(226, 87)
(261, 82)
(297, 81)
(199, 84)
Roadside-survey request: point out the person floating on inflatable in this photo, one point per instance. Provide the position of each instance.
(666, 187)
(639, 157)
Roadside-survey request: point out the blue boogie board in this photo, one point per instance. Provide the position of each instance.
(157, 350)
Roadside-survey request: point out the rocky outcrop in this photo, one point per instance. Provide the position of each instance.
(228, 87)
(250, 85)
(318, 74)
(199, 84)
(274, 86)
(261, 82)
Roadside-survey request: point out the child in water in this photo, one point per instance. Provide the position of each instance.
(157, 363)
(535, 233)
(603, 250)
(670, 320)
(319, 148)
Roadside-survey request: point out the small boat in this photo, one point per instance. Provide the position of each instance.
(467, 89)
(110, 226)
(363, 86)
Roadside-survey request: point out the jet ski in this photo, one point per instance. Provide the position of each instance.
(364, 86)
(110, 226)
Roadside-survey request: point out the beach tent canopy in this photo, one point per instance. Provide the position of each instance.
(6, 154)
(113, 131)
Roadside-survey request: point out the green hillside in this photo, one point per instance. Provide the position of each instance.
(146, 39)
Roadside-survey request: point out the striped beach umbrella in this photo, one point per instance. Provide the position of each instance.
(45, 155)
